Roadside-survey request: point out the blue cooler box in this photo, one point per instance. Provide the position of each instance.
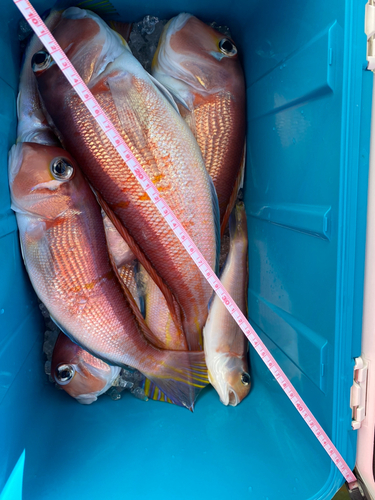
(308, 136)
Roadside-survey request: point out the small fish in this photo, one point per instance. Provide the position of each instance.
(158, 317)
(144, 289)
(201, 69)
(80, 374)
(123, 259)
(224, 343)
(64, 249)
(162, 143)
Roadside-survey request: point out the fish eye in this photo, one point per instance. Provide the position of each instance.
(41, 60)
(61, 169)
(245, 378)
(64, 374)
(227, 47)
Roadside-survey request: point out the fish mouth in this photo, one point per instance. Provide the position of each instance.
(86, 399)
(233, 398)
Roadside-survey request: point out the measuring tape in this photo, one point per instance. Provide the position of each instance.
(97, 112)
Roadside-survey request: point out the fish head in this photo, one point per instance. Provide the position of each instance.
(194, 58)
(88, 42)
(81, 375)
(32, 124)
(90, 45)
(44, 180)
(229, 375)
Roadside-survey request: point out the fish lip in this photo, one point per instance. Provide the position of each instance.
(86, 399)
(232, 396)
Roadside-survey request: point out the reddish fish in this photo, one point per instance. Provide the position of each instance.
(81, 375)
(162, 143)
(200, 67)
(64, 249)
(143, 288)
(225, 344)
(32, 124)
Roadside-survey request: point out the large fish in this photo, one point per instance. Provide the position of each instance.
(32, 124)
(200, 67)
(160, 140)
(64, 249)
(81, 375)
(224, 343)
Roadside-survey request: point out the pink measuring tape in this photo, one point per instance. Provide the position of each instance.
(84, 93)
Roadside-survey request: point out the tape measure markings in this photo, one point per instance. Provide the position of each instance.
(113, 135)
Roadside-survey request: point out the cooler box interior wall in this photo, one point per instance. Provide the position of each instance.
(308, 127)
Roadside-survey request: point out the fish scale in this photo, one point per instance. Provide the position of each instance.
(64, 248)
(167, 150)
(42, 31)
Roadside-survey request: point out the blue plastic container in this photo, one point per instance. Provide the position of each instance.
(309, 99)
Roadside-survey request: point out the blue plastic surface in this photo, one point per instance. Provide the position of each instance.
(309, 100)
(13, 488)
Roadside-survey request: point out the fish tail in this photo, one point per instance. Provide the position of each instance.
(153, 392)
(101, 7)
(237, 186)
(238, 223)
(123, 29)
(181, 376)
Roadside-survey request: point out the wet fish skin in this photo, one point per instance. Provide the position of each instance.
(158, 317)
(166, 149)
(143, 288)
(32, 125)
(83, 376)
(64, 249)
(224, 342)
(209, 86)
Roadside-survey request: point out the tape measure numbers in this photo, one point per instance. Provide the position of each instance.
(97, 112)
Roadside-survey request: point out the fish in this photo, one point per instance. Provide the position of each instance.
(64, 249)
(144, 290)
(163, 144)
(123, 259)
(81, 375)
(32, 124)
(158, 316)
(225, 345)
(201, 69)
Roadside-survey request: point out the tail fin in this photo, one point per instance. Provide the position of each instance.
(181, 376)
(103, 8)
(123, 29)
(237, 186)
(153, 392)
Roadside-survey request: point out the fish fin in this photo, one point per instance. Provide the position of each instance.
(181, 376)
(216, 211)
(153, 392)
(237, 186)
(165, 92)
(173, 306)
(103, 8)
(123, 29)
